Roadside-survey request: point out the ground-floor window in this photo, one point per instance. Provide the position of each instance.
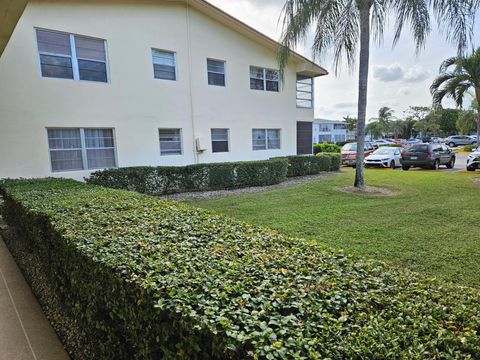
(219, 140)
(265, 139)
(170, 141)
(81, 148)
(324, 138)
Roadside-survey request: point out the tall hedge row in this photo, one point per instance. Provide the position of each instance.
(199, 177)
(126, 276)
(301, 165)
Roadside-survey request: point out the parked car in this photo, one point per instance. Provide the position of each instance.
(412, 141)
(349, 153)
(384, 157)
(456, 140)
(427, 156)
(383, 142)
(437, 139)
(473, 160)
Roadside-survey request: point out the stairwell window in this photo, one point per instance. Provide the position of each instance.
(170, 142)
(264, 79)
(216, 72)
(266, 139)
(304, 92)
(164, 65)
(68, 56)
(74, 149)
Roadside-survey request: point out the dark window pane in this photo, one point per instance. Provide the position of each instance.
(88, 48)
(100, 158)
(216, 79)
(165, 72)
(53, 42)
(56, 66)
(65, 160)
(272, 85)
(92, 70)
(256, 84)
(219, 146)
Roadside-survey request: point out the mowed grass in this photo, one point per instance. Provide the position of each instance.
(432, 224)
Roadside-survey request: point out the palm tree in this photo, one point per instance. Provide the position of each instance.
(345, 24)
(385, 116)
(458, 74)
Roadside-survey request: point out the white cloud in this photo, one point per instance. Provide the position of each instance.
(392, 72)
(344, 105)
(416, 74)
(404, 90)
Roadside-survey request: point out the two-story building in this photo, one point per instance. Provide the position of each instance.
(333, 131)
(90, 84)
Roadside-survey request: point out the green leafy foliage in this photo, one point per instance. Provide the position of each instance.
(199, 177)
(300, 165)
(469, 148)
(138, 277)
(326, 148)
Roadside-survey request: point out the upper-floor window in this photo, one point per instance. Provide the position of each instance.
(170, 141)
(339, 126)
(219, 140)
(264, 79)
(304, 91)
(216, 72)
(69, 56)
(265, 139)
(80, 149)
(164, 65)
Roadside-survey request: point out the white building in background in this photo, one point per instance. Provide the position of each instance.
(90, 84)
(331, 131)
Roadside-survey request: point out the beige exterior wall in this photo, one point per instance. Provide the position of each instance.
(134, 103)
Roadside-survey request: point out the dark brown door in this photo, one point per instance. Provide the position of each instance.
(304, 137)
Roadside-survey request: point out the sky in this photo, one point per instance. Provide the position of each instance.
(398, 77)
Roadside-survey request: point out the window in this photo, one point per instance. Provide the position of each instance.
(304, 91)
(339, 126)
(216, 72)
(266, 139)
(170, 141)
(164, 65)
(80, 149)
(68, 56)
(263, 79)
(219, 140)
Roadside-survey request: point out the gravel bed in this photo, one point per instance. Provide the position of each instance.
(249, 190)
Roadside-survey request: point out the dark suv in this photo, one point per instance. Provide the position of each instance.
(427, 156)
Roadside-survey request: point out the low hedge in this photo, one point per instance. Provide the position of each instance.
(300, 165)
(199, 177)
(126, 276)
(326, 148)
(469, 148)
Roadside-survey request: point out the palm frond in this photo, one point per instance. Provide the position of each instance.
(416, 13)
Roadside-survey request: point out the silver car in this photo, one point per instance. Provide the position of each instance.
(456, 140)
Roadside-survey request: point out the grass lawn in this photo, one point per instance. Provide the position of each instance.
(431, 225)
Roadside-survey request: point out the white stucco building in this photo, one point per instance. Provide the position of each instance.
(88, 84)
(331, 131)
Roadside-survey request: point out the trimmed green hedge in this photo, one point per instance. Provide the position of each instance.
(199, 177)
(469, 148)
(300, 165)
(326, 148)
(126, 276)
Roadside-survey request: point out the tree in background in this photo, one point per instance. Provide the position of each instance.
(351, 123)
(347, 26)
(375, 129)
(397, 128)
(448, 121)
(384, 118)
(467, 122)
(458, 75)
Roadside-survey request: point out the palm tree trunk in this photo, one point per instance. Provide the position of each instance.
(362, 90)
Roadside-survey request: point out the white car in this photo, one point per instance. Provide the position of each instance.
(473, 160)
(385, 156)
(383, 142)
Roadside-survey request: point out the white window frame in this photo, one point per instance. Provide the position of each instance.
(180, 130)
(305, 92)
(264, 70)
(216, 72)
(174, 61)
(73, 57)
(84, 147)
(266, 139)
(228, 140)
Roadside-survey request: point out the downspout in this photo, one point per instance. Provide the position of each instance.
(190, 90)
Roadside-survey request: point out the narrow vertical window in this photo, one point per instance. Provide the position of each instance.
(164, 65)
(55, 53)
(304, 91)
(100, 148)
(216, 72)
(170, 141)
(220, 140)
(68, 56)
